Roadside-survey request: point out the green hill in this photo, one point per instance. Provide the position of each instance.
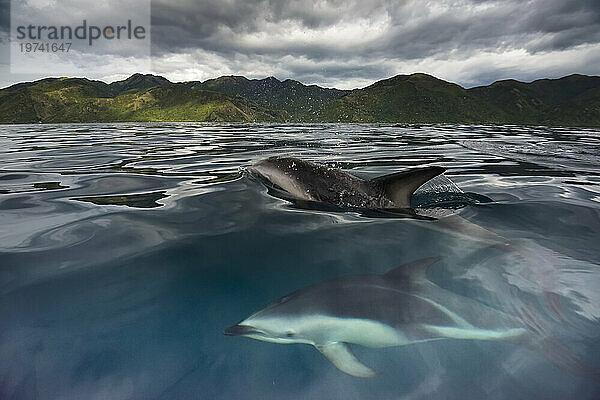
(81, 100)
(418, 98)
(301, 102)
(571, 100)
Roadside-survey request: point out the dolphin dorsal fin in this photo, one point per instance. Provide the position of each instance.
(399, 186)
(414, 270)
(339, 354)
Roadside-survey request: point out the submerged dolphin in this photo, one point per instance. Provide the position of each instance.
(395, 309)
(305, 180)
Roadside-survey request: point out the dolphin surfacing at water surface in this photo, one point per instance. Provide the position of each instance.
(305, 180)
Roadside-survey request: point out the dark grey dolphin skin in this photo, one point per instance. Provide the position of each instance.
(305, 180)
(395, 309)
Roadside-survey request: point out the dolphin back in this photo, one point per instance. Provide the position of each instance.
(399, 186)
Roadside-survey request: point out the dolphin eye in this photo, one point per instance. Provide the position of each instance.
(289, 334)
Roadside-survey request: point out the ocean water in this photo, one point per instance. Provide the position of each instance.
(126, 249)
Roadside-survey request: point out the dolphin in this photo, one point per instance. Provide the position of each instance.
(297, 179)
(318, 187)
(398, 308)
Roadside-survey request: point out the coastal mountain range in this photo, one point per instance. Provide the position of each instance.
(573, 100)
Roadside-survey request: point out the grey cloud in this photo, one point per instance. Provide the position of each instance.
(534, 26)
(340, 70)
(4, 15)
(416, 30)
(301, 39)
(411, 30)
(315, 14)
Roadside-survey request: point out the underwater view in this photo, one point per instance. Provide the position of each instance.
(182, 261)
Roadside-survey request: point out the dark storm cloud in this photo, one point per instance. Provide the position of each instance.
(361, 39)
(415, 28)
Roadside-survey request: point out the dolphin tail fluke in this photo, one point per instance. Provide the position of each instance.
(398, 187)
(339, 354)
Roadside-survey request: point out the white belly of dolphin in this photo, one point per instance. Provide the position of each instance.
(364, 332)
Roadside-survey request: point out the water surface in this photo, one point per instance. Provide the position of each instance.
(125, 249)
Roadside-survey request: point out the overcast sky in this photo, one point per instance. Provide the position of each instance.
(348, 44)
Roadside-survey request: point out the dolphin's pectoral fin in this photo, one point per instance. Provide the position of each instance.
(339, 354)
(398, 187)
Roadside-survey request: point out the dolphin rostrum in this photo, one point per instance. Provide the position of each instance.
(308, 181)
(395, 309)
